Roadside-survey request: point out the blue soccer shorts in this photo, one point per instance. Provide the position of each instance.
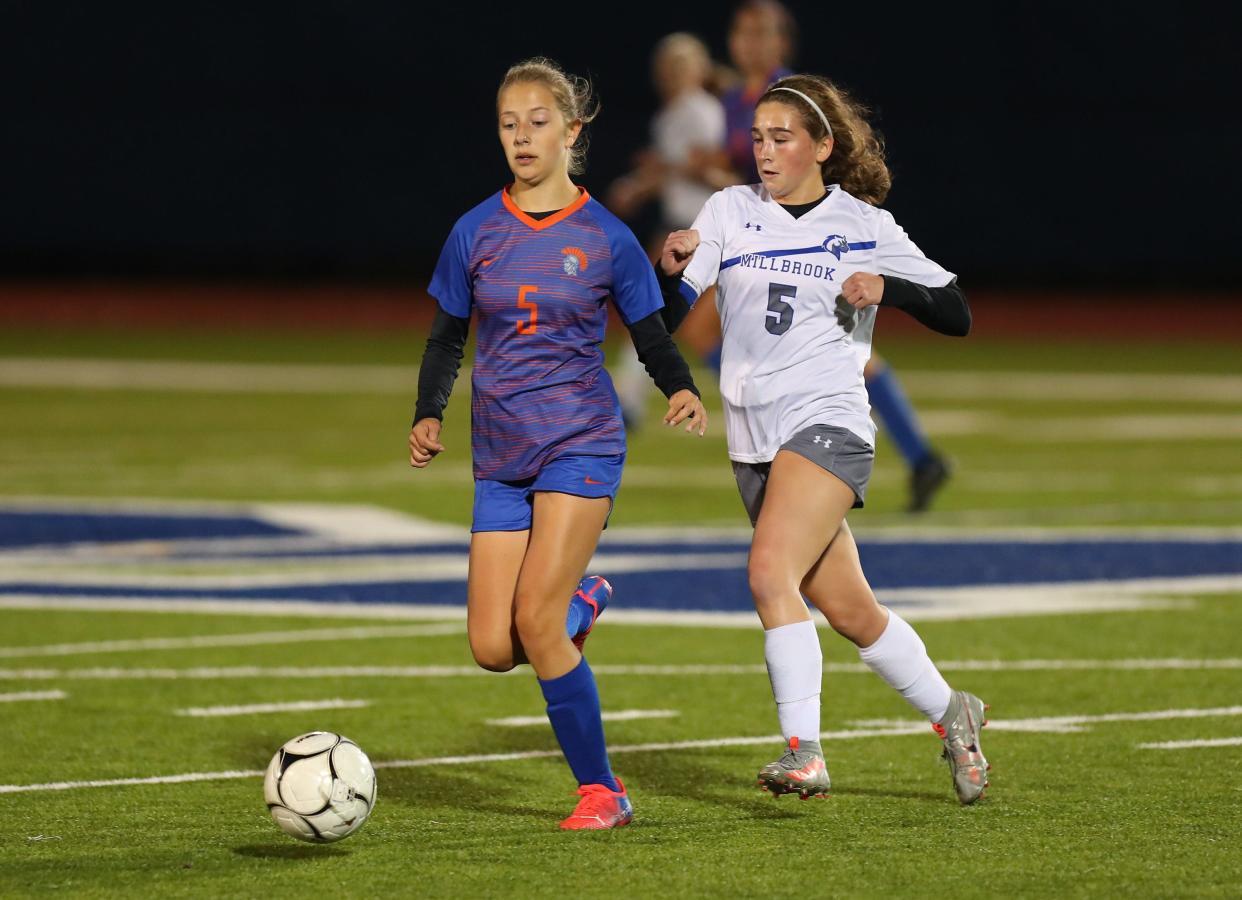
(507, 505)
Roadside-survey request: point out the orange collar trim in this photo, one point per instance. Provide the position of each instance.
(541, 224)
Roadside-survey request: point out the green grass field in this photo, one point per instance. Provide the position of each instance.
(1058, 436)
(1158, 449)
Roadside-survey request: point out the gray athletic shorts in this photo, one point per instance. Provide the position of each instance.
(836, 450)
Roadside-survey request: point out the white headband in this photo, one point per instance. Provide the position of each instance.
(815, 106)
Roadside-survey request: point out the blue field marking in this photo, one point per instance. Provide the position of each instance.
(725, 590)
(44, 527)
(713, 576)
(952, 563)
(888, 566)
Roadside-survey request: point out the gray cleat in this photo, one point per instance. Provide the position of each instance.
(959, 729)
(800, 771)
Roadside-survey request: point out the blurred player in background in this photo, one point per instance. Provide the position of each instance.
(762, 42)
(681, 168)
(535, 263)
(800, 263)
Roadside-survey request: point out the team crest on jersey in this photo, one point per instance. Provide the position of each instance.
(574, 261)
(836, 244)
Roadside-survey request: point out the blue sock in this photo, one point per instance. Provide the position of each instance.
(712, 358)
(895, 411)
(573, 710)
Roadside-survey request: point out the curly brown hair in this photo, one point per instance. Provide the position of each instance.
(573, 95)
(857, 158)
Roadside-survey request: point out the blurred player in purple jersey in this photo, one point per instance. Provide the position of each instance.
(761, 46)
(536, 264)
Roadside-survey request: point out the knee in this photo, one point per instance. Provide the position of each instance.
(770, 581)
(844, 621)
(491, 654)
(854, 618)
(535, 622)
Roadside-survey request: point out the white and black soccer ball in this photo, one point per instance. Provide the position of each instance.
(320, 787)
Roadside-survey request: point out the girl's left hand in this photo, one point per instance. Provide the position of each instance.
(862, 289)
(684, 406)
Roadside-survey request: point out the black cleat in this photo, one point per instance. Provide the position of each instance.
(926, 480)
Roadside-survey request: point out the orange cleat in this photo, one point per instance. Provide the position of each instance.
(600, 808)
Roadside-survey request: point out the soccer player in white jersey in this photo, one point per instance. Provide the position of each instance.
(800, 262)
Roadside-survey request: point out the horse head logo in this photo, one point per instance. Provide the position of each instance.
(836, 244)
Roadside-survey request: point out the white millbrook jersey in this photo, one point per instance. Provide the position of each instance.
(792, 355)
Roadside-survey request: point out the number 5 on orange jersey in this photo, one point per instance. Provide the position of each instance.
(524, 326)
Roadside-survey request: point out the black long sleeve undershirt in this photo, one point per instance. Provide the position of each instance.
(447, 341)
(942, 309)
(441, 361)
(676, 307)
(660, 356)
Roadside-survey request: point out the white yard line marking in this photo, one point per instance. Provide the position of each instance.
(437, 567)
(210, 673)
(894, 729)
(372, 570)
(1191, 745)
(168, 375)
(201, 606)
(1140, 428)
(325, 524)
(620, 715)
(1060, 665)
(1037, 430)
(1089, 386)
(357, 523)
(32, 695)
(915, 604)
(1074, 516)
(234, 640)
(1072, 724)
(203, 377)
(462, 760)
(117, 782)
(293, 706)
(1009, 482)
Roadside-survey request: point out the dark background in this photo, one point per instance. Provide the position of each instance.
(1031, 145)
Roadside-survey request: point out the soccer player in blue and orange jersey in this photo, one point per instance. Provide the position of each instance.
(536, 264)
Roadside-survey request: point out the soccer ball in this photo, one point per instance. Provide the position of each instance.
(320, 787)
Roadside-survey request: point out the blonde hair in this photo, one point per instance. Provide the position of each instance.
(684, 44)
(573, 95)
(857, 158)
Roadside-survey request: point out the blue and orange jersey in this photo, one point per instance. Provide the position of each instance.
(538, 289)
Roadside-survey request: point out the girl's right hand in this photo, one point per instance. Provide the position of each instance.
(424, 442)
(678, 250)
(685, 406)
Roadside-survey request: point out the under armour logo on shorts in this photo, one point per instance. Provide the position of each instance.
(818, 438)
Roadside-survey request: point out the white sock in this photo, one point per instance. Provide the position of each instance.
(796, 670)
(900, 658)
